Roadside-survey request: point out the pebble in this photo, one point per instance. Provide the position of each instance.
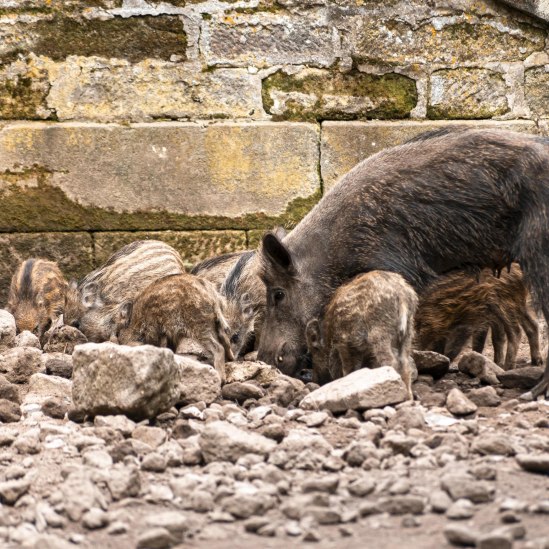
(55, 408)
(494, 445)
(153, 436)
(94, 519)
(461, 509)
(466, 487)
(494, 541)
(462, 536)
(241, 391)
(484, 396)
(154, 462)
(534, 463)
(12, 490)
(155, 538)
(458, 404)
(10, 412)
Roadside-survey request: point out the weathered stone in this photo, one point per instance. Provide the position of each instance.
(9, 391)
(155, 538)
(153, 436)
(55, 408)
(116, 90)
(43, 386)
(461, 509)
(199, 382)
(125, 482)
(71, 251)
(80, 494)
(301, 450)
(458, 404)
(534, 463)
(521, 378)
(362, 389)
(9, 411)
(467, 93)
(248, 370)
(137, 381)
(484, 396)
(58, 364)
(459, 535)
(538, 8)
(444, 40)
(241, 392)
(242, 40)
(402, 505)
(250, 168)
(345, 144)
(193, 246)
(495, 541)
(27, 339)
(175, 522)
(466, 487)
(20, 363)
(431, 363)
(7, 326)
(12, 490)
(120, 423)
(478, 365)
(222, 441)
(314, 94)
(494, 445)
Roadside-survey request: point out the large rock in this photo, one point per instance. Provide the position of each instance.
(20, 363)
(458, 404)
(360, 390)
(480, 366)
(222, 441)
(42, 387)
(7, 329)
(199, 382)
(534, 463)
(521, 378)
(137, 381)
(431, 363)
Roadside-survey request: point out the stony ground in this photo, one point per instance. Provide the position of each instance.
(254, 469)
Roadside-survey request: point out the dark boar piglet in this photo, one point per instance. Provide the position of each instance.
(447, 199)
(177, 308)
(464, 304)
(37, 295)
(93, 304)
(368, 323)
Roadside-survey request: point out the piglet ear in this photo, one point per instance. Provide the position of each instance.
(313, 335)
(277, 254)
(125, 313)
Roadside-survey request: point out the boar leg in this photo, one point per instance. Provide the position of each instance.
(350, 359)
(498, 342)
(457, 340)
(218, 353)
(479, 340)
(531, 328)
(513, 340)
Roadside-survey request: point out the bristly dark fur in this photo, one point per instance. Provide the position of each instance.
(436, 133)
(26, 286)
(230, 286)
(213, 262)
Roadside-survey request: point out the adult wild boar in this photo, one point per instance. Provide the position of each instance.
(444, 200)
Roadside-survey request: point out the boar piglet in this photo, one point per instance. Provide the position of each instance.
(173, 310)
(463, 304)
(93, 304)
(37, 295)
(368, 323)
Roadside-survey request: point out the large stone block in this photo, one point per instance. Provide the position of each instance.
(72, 251)
(538, 8)
(537, 90)
(345, 144)
(156, 176)
(316, 94)
(111, 90)
(266, 39)
(192, 245)
(467, 93)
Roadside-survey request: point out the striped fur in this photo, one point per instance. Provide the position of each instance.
(37, 295)
(93, 304)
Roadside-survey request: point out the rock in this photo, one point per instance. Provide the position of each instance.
(20, 363)
(155, 538)
(42, 387)
(284, 390)
(407, 418)
(431, 363)
(440, 501)
(480, 366)
(521, 378)
(314, 419)
(461, 509)
(199, 382)
(47, 541)
(154, 462)
(120, 423)
(301, 449)
(153, 436)
(28, 442)
(9, 391)
(484, 396)
(499, 445)
(222, 441)
(80, 494)
(12, 490)
(361, 487)
(137, 381)
(55, 408)
(99, 459)
(328, 483)
(248, 370)
(58, 364)
(175, 522)
(7, 329)
(10, 412)
(241, 391)
(462, 536)
(534, 463)
(124, 482)
(27, 339)
(62, 339)
(95, 519)
(494, 541)
(243, 505)
(402, 505)
(360, 390)
(458, 404)
(465, 487)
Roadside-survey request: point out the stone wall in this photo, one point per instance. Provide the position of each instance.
(206, 122)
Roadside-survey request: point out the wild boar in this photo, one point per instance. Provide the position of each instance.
(177, 308)
(37, 295)
(368, 323)
(445, 200)
(464, 304)
(92, 305)
(216, 269)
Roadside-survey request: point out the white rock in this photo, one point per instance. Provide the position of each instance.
(363, 389)
(199, 382)
(27, 339)
(222, 441)
(7, 329)
(137, 381)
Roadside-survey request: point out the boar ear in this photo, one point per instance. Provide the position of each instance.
(246, 306)
(312, 333)
(277, 254)
(125, 313)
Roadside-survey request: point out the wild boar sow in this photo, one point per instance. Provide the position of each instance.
(444, 200)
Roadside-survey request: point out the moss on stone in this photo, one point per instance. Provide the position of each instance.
(327, 95)
(134, 38)
(22, 97)
(29, 202)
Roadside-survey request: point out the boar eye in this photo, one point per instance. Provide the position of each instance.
(278, 296)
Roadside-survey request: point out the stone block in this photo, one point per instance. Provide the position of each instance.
(193, 246)
(316, 94)
(537, 8)
(156, 176)
(536, 81)
(345, 144)
(266, 39)
(467, 93)
(72, 251)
